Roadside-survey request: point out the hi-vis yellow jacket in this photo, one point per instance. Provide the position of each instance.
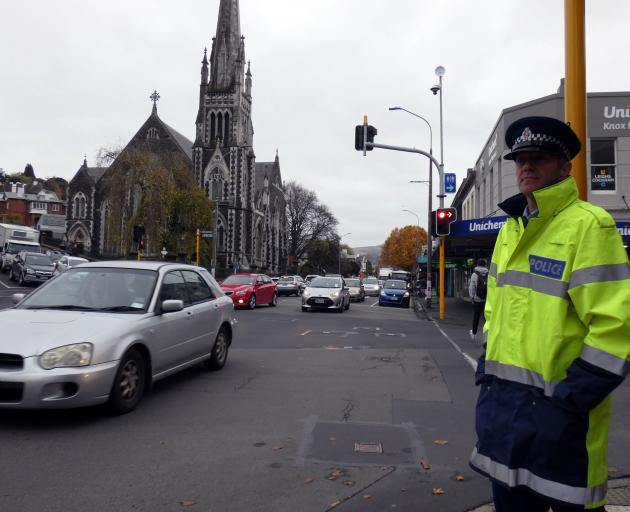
(557, 343)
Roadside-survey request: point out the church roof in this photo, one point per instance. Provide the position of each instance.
(96, 173)
(184, 143)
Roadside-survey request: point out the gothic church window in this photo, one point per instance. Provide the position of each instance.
(152, 134)
(79, 210)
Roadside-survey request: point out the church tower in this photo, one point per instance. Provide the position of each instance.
(223, 155)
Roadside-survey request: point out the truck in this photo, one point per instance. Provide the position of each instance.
(384, 273)
(13, 239)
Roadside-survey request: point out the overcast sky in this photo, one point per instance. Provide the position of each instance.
(76, 75)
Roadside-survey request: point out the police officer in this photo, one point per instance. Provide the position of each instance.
(557, 334)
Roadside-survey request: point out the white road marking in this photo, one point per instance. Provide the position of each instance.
(305, 333)
(469, 359)
(376, 303)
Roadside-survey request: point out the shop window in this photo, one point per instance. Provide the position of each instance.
(603, 166)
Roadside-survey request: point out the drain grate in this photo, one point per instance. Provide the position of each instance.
(368, 447)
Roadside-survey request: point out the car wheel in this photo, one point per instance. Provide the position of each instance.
(129, 383)
(340, 308)
(348, 305)
(252, 301)
(305, 309)
(274, 301)
(21, 279)
(218, 358)
(380, 303)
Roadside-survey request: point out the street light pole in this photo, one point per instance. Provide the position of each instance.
(429, 290)
(439, 71)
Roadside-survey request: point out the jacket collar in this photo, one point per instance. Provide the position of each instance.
(550, 200)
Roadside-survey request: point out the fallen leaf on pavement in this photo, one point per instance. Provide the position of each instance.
(309, 480)
(440, 442)
(367, 497)
(612, 469)
(277, 448)
(335, 503)
(349, 483)
(425, 464)
(186, 503)
(460, 478)
(332, 439)
(437, 491)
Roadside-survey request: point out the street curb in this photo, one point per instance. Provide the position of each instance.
(618, 497)
(418, 307)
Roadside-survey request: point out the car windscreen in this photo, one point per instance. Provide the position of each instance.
(38, 259)
(73, 262)
(395, 285)
(353, 282)
(370, 280)
(239, 280)
(14, 248)
(399, 275)
(325, 282)
(125, 290)
(286, 280)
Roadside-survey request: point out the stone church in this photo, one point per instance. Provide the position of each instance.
(249, 199)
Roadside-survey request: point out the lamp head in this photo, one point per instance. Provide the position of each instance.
(439, 71)
(435, 89)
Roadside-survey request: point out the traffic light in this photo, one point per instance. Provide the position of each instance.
(364, 132)
(442, 219)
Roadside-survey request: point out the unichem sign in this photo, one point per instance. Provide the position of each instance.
(486, 226)
(492, 225)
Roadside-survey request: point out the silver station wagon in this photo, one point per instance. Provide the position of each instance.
(104, 332)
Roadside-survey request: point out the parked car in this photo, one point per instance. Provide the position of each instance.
(395, 293)
(55, 256)
(275, 279)
(326, 293)
(248, 290)
(66, 262)
(31, 267)
(105, 332)
(371, 287)
(289, 285)
(355, 288)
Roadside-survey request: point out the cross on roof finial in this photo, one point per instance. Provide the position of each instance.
(155, 97)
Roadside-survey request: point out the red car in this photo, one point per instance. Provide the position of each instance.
(247, 290)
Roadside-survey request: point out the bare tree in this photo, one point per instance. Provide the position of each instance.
(307, 220)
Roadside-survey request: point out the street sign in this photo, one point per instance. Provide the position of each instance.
(207, 234)
(450, 182)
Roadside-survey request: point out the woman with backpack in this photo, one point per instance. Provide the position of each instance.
(478, 289)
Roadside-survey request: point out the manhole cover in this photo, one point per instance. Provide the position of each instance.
(368, 447)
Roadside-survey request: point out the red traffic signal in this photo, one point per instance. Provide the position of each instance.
(443, 217)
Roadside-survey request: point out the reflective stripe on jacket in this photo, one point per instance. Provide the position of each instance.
(558, 342)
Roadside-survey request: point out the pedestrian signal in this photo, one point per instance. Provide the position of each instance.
(364, 133)
(442, 219)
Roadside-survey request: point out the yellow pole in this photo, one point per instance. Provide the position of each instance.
(139, 252)
(197, 247)
(575, 85)
(442, 277)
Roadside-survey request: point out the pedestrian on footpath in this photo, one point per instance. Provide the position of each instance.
(557, 334)
(477, 289)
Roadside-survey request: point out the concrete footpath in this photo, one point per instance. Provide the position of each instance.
(458, 320)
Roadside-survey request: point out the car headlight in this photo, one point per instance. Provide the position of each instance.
(406, 294)
(305, 293)
(383, 293)
(77, 354)
(30, 271)
(241, 292)
(334, 295)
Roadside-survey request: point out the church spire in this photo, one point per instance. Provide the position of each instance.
(226, 48)
(204, 68)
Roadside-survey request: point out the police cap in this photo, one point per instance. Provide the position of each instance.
(539, 133)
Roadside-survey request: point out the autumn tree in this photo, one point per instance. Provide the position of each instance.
(308, 220)
(157, 191)
(401, 247)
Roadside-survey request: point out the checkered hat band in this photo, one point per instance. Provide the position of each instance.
(542, 139)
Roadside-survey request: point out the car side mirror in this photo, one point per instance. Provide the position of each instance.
(171, 306)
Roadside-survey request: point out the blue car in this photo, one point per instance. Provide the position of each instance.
(394, 293)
